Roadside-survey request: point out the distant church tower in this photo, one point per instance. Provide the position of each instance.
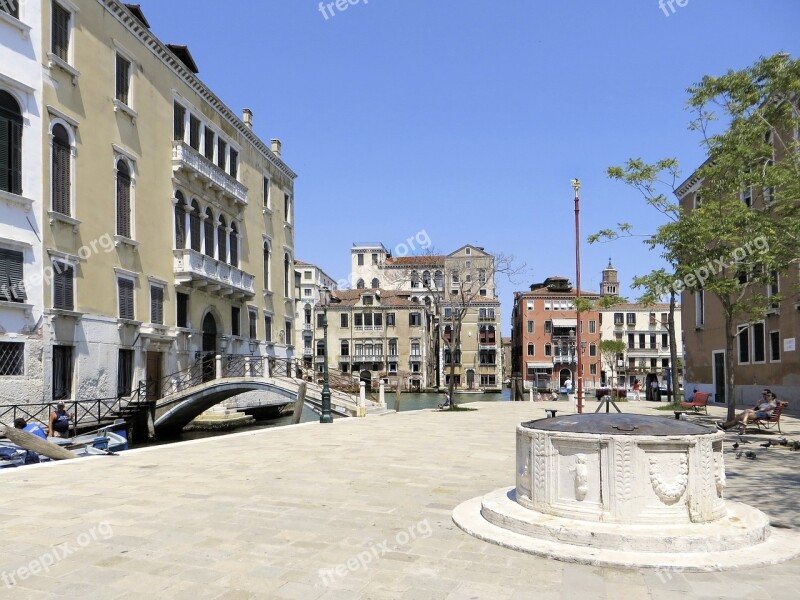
(610, 285)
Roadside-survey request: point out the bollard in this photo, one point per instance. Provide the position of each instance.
(219, 367)
(266, 368)
(530, 394)
(397, 396)
(362, 400)
(382, 394)
(247, 372)
(298, 404)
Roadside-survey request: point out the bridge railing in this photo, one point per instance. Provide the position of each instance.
(87, 413)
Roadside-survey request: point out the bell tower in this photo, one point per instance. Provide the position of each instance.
(610, 285)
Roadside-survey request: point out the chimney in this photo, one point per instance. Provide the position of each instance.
(276, 148)
(247, 117)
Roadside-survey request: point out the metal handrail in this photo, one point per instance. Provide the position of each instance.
(84, 412)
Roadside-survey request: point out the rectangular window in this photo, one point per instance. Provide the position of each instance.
(194, 132)
(358, 320)
(415, 349)
(631, 341)
(123, 80)
(124, 372)
(414, 319)
(699, 308)
(759, 343)
(744, 344)
(665, 341)
(63, 286)
(12, 285)
(178, 122)
(367, 301)
(62, 372)
(307, 274)
(289, 340)
(548, 327)
(593, 369)
(592, 326)
(287, 208)
(233, 167)
(182, 316)
(377, 319)
(236, 320)
(374, 259)
(12, 359)
(157, 304)
(368, 319)
(266, 193)
(618, 318)
(664, 319)
(530, 326)
(360, 260)
(252, 329)
(630, 318)
(60, 32)
(652, 342)
(11, 7)
(222, 149)
(268, 328)
(209, 144)
(774, 346)
(390, 320)
(125, 293)
(592, 350)
(343, 320)
(320, 319)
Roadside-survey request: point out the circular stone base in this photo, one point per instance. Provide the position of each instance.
(742, 540)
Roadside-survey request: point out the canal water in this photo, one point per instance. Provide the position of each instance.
(407, 402)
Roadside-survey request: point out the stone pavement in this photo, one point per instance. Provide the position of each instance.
(355, 510)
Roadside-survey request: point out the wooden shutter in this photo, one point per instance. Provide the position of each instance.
(194, 132)
(234, 250)
(123, 202)
(60, 32)
(157, 305)
(221, 148)
(268, 329)
(123, 79)
(5, 153)
(252, 325)
(180, 225)
(61, 176)
(63, 290)
(13, 268)
(179, 126)
(125, 288)
(16, 157)
(5, 280)
(11, 7)
(208, 225)
(222, 242)
(234, 166)
(194, 225)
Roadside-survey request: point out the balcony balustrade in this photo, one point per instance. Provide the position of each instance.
(186, 158)
(200, 271)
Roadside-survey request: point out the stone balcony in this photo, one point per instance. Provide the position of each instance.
(203, 272)
(197, 166)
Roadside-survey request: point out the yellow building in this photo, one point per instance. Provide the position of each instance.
(169, 225)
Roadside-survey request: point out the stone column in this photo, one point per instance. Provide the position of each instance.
(218, 366)
(362, 400)
(382, 394)
(247, 372)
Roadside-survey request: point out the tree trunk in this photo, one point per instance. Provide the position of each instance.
(673, 349)
(730, 382)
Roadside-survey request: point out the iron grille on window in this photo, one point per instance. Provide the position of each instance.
(12, 285)
(157, 304)
(12, 358)
(60, 32)
(123, 79)
(10, 144)
(63, 282)
(125, 287)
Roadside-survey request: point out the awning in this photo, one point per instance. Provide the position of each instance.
(540, 365)
(573, 323)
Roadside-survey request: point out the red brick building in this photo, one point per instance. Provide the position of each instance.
(544, 330)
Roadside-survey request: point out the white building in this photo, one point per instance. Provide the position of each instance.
(309, 280)
(21, 296)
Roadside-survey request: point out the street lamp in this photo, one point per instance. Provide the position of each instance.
(576, 185)
(325, 299)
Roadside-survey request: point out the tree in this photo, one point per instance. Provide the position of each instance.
(610, 350)
(744, 226)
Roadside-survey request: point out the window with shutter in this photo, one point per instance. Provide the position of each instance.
(125, 291)
(253, 317)
(62, 158)
(182, 316)
(63, 290)
(12, 283)
(236, 321)
(267, 259)
(194, 225)
(157, 304)
(208, 225)
(222, 148)
(11, 7)
(123, 199)
(123, 79)
(209, 145)
(180, 222)
(10, 144)
(234, 250)
(286, 269)
(234, 163)
(60, 32)
(179, 122)
(194, 132)
(222, 240)
(268, 328)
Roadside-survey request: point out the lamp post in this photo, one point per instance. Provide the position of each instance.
(325, 299)
(576, 185)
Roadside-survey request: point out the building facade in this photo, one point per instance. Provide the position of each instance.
(544, 331)
(21, 155)
(311, 280)
(766, 351)
(168, 224)
(643, 330)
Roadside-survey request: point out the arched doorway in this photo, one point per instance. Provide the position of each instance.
(366, 377)
(563, 376)
(209, 346)
(470, 379)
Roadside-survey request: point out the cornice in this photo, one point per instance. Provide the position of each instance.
(166, 56)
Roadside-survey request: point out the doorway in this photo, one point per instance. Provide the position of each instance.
(470, 379)
(719, 376)
(209, 347)
(154, 375)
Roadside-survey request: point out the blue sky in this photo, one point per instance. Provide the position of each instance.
(468, 119)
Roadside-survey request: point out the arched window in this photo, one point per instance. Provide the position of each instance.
(321, 348)
(448, 333)
(222, 240)
(267, 261)
(375, 284)
(180, 221)
(414, 279)
(62, 163)
(426, 279)
(123, 199)
(438, 280)
(360, 284)
(286, 279)
(234, 245)
(10, 144)
(194, 226)
(208, 225)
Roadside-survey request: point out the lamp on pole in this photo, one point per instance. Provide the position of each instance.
(325, 299)
(576, 185)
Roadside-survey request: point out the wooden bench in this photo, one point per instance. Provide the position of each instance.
(774, 419)
(699, 400)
